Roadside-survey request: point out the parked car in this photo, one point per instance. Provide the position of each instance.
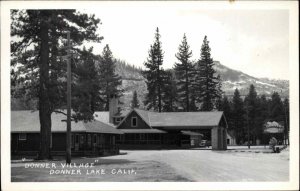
(205, 143)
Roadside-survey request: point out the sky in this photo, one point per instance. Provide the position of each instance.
(253, 41)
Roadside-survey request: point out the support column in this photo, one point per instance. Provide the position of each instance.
(214, 138)
(220, 138)
(225, 139)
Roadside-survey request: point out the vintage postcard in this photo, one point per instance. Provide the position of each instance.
(176, 95)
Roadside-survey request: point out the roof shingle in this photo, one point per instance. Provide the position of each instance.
(167, 120)
(28, 121)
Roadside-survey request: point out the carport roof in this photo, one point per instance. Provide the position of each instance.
(180, 120)
(191, 119)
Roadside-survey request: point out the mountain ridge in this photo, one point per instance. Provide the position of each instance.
(132, 79)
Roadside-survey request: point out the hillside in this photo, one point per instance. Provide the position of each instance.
(132, 79)
(232, 79)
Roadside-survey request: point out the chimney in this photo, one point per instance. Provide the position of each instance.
(113, 107)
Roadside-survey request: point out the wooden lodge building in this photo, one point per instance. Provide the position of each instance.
(145, 129)
(90, 138)
(135, 129)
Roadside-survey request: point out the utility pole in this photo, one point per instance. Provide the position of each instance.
(68, 157)
(69, 80)
(68, 133)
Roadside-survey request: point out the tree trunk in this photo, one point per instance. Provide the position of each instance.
(159, 91)
(187, 91)
(44, 102)
(107, 103)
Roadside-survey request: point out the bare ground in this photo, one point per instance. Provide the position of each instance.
(169, 165)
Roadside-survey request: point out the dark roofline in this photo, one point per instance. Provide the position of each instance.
(223, 115)
(156, 126)
(124, 119)
(93, 126)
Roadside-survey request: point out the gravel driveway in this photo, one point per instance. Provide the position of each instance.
(166, 165)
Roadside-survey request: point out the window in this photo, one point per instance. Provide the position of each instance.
(89, 139)
(82, 139)
(95, 139)
(76, 139)
(22, 137)
(133, 121)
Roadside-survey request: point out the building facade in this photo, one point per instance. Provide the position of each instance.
(87, 138)
(146, 129)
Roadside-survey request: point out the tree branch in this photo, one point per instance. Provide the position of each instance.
(57, 111)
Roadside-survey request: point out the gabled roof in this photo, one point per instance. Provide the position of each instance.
(191, 119)
(100, 127)
(28, 121)
(144, 115)
(179, 120)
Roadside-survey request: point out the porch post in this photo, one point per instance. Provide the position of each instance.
(214, 138)
(225, 139)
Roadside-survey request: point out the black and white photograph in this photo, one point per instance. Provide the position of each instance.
(104, 93)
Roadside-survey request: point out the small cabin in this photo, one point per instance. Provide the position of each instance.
(87, 138)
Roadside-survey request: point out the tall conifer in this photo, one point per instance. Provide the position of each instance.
(153, 75)
(206, 80)
(86, 89)
(184, 73)
(169, 91)
(251, 108)
(43, 30)
(238, 116)
(135, 101)
(276, 108)
(109, 80)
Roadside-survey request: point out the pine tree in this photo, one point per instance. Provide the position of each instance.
(276, 108)
(109, 80)
(193, 104)
(135, 101)
(153, 75)
(86, 88)
(169, 91)
(206, 80)
(238, 116)
(225, 106)
(219, 92)
(286, 108)
(262, 116)
(251, 107)
(184, 74)
(42, 30)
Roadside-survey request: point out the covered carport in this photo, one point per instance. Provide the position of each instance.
(194, 121)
